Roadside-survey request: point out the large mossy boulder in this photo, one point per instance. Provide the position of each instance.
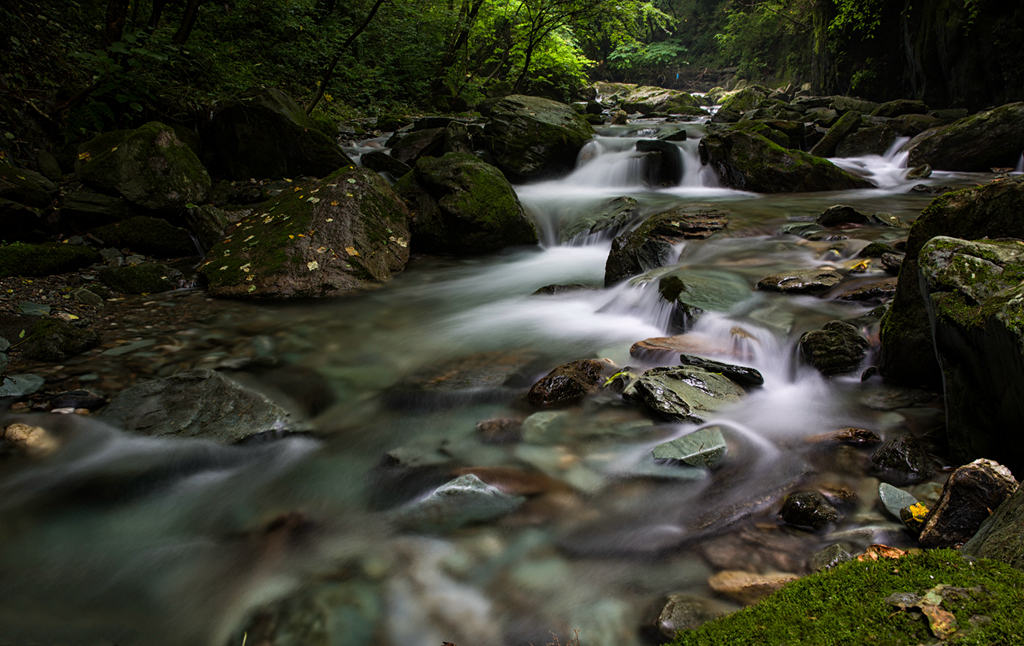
(836, 348)
(743, 100)
(750, 162)
(658, 101)
(149, 166)
(531, 138)
(198, 403)
(651, 244)
(990, 139)
(994, 211)
(826, 146)
(464, 206)
(148, 235)
(22, 259)
(327, 237)
(999, 537)
(268, 134)
(975, 300)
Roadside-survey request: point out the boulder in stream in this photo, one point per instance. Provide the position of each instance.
(325, 237)
(683, 393)
(568, 384)
(801, 281)
(808, 509)
(901, 461)
(607, 218)
(980, 142)
(970, 495)
(750, 162)
(663, 162)
(464, 206)
(836, 348)
(530, 137)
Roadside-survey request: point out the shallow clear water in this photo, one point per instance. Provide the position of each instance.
(130, 539)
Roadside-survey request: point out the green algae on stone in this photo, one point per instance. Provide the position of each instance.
(22, 259)
(147, 235)
(146, 278)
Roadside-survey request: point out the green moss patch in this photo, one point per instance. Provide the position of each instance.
(21, 259)
(153, 236)
(854, 603)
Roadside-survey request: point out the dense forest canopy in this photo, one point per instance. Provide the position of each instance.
(88, 65)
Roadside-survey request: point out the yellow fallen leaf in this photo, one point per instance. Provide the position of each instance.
(252, 288)
(334, 202)
(312, 264)
(330, 219)
(291, 237)
(84, 156)
(321, 249)
(223, 267)
(247, 267)
(351, 251)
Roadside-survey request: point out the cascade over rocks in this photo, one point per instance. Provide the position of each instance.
(992, 211)
(462, 205)
(149, 166)
(326, 237)
(609, 218)
(980, 142)
(694, 291)
(975, 302)
(650, 245)
(748, 161)
(664, 162)
(269, 135)
(531, 138)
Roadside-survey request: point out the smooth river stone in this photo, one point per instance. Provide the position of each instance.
(702, 448)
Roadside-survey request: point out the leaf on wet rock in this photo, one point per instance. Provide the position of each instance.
(875, 552)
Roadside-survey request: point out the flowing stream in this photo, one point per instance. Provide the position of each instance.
(122, 539)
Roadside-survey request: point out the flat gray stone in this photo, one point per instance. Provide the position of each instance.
(704, 447)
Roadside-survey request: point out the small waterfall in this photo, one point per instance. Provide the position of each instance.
(887, 171)
(608, 162)
(1019, 168)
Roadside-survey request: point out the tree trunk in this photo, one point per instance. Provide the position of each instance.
(154, 15)
(117, 15)
(188, 21)
(466, 20)
(329, 71)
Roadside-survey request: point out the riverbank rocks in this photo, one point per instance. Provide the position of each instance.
(345, 232)
(148, 235)
(568, 384)
(651, 244)
(25, 187)
(463, 206)
(1000, 537)
(990, 139)
(846, 124)
(531, 138)
(801, 281)
(808, 510)
(463, 501)
(992, 211)
(975, 301)
(408, 146)
(968, 498)
(148, 166)
(268, 135)
(382, 162)
(23, 259)
(198, 403)
(750, 162)
(686, 612)
(683, 393)
(836, 348)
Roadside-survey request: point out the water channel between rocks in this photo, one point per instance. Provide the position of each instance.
(139, 539)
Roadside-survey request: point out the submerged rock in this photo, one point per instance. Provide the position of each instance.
(750, 162)
(704, 447)
(463, 501)
(970, 495)
(808, 509)
(836, 348)
(694, 291)
(197, 403)
(610, 217)
(531, 137)
(346, 232)
(148, 166)
(462, 205)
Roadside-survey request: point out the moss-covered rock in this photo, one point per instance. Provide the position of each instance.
(146, 278)
(148, 235)
(25, 186)
(826, 147)
(871, 140)
(992, 210)
(267, 134)
(659, 101)
(1000, 537)
(748, 161)
(56, 340)
(407, 147)
(345, 232)
(877, 601)
(148, 166)
(650, 245)
(530, 137)
(990, 139)
(836, 348)
(734, 104)
(22, 259)
(463, 206)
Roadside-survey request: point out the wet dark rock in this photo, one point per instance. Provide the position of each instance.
(463, 206)
(685, 393)
(751, 162)
(503, 430)
(207, 223)
(463, 501)
(872, 140)
(744, 376)
(801, 281)
(567, 384)
(980, 142)
(1000, 537)
(145, 278)
(971, 493)
(841, 214)
(876, 250)
(266, 135)
(651, 244)
(856, 436)
(197, 403)
(674, 135)
(407, 147)
(902, 461)
(836, 348)
(892, 263)
(26, 187)
(909, 125)
(608, 218)
(808, 509)
(346, 232)
(554, 290)
(78, 399)
(148, 235)
(878, 291)
(531, 137)
(382, 162)
(686, 612)
(838, 131)
(919, 172)
(829, 557)
(53, 340)
(21, 223)
(149, 166)
(23, 259)
(663, 162)
(899, 107)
